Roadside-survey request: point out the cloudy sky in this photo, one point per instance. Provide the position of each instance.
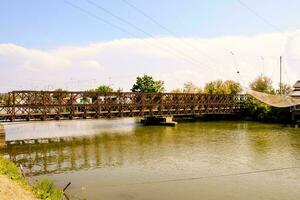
(78, 44)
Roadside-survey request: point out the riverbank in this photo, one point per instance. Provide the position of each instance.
(14, 186)
(11, 190)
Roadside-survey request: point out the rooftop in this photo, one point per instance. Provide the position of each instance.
(297, 85)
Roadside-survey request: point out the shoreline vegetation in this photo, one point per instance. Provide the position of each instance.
(14, 183)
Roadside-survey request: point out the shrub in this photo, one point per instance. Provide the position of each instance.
(45, 189)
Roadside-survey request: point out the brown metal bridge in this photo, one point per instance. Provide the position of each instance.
(44, 105)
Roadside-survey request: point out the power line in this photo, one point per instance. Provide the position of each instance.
(259, 16)
(206, 177)
(97, 17)
(140, 29)
(127, 32)
(266, 21)
(165, 28)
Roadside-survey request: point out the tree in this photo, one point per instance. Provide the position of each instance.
(220, 87)
(257, 110)
(190, 87)
(285, 89)
(148, 84)
(214, 87)
(232, 87)
(262, 84)
(104, 88)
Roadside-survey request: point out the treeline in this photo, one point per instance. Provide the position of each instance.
(254, 109)
(213, 87)
(147, 83)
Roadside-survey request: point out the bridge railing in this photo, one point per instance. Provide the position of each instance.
(57, 104)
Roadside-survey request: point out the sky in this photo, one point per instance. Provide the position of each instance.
(79, 44)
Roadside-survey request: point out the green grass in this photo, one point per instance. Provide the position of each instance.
(10, 170)
(43, 189)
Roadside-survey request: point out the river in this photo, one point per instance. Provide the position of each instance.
(121, 159)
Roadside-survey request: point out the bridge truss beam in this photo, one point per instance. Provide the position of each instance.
(32, 105)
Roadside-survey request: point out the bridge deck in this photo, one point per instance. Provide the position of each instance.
(30, 105)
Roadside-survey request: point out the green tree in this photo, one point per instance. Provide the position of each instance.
(232, 87)
(262, 84)
(259, 111)
(104, 88)
(148, 84)
(220, 87)
(190, 87)
(214, 87)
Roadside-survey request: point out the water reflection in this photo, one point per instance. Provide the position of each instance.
(130, 153)
(139, 144)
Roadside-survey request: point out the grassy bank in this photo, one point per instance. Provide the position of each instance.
(43, 189)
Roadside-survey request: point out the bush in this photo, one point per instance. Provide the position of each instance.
(258, 111)
(10, 170)
(45, 189)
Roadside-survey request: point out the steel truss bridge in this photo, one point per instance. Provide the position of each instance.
(44, 105)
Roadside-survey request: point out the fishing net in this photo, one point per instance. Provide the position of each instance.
(274, 100)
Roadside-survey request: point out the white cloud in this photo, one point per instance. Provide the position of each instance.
(118, 62)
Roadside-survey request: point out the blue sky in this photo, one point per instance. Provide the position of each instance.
(50, 44)
(47, 24)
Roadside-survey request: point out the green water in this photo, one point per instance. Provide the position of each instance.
(119, 159)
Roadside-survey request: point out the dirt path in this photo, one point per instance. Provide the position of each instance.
(10, 190)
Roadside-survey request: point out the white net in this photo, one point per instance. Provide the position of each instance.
(274, 100)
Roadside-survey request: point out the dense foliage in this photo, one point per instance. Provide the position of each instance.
(213, 87)
(222, 87)
(148, 84)
(258, 111)
(45, 189)
(262, 84)
(104, 88)
(188, 87)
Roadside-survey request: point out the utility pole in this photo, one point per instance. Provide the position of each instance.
(263, 64)
(280, 79)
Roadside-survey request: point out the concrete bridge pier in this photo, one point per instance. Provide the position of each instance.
(2, 136)
(159, 120)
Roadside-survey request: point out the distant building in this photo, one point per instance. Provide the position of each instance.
(296, 109)
(296, 91)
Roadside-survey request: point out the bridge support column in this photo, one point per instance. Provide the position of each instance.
(162, 121)
(2, 136)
